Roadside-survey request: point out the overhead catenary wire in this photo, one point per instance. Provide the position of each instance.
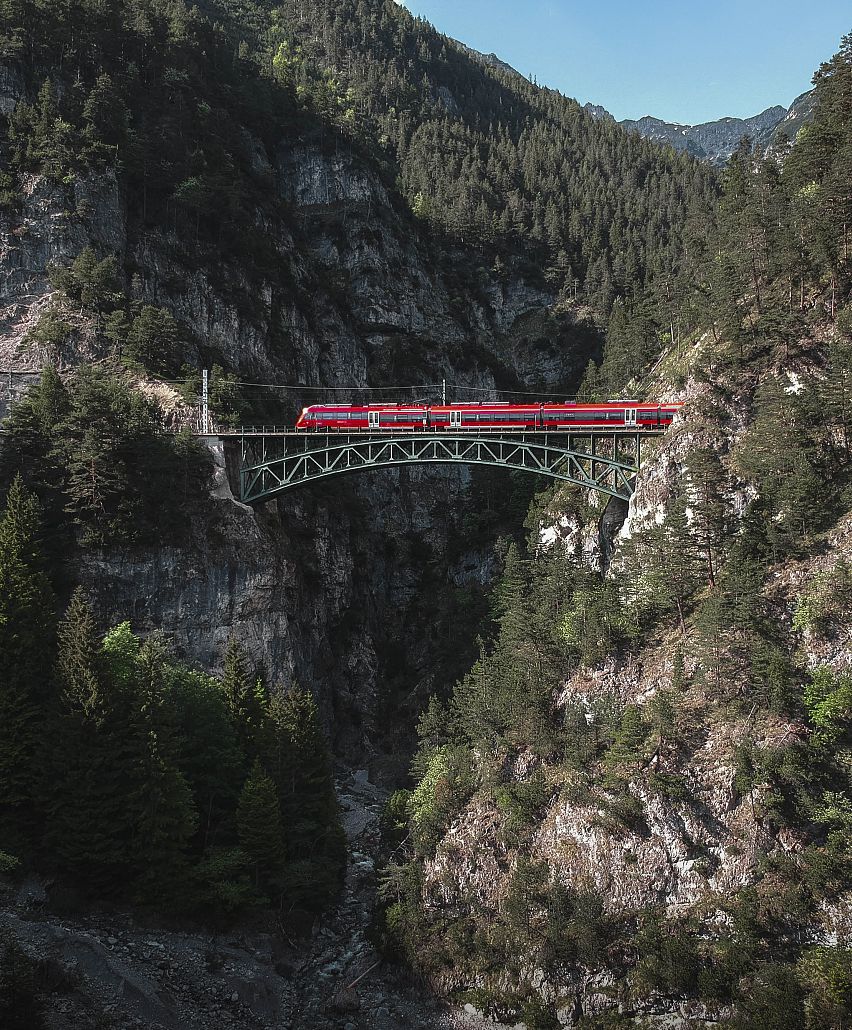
(338, 389)
(513, 393)
(417, 387)
(302, 388)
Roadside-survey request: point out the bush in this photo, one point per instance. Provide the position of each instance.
(224, 881)
(826, 974)
(444, 788)
(669, 957)
(624, 811)
(394, 822)
(824, 599)
(8, 863)
(522, 802)
(669, 785)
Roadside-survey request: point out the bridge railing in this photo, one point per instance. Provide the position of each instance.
(309, 434)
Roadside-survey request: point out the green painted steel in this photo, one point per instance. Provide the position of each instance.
(274, 462)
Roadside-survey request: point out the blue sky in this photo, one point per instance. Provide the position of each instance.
(681, 60)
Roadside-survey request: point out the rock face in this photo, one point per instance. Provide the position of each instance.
(681, 852)
(716, 141)
(322, 588)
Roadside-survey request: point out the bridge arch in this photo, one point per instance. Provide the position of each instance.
(273, 462)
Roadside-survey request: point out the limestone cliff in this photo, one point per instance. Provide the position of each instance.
(320, 587)
(686, 834)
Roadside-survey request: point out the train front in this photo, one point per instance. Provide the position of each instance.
(307, 419)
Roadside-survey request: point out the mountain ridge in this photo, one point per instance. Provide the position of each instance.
(712, 141)
(715, 141)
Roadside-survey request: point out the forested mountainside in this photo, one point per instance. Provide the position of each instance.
(254, 188)
(476, 151)
(635, 808)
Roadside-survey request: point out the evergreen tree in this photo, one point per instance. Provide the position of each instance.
(300, 764)
(30, 426)
(710, 518)
(207, 753)
(27, 632)
(166, 814)
(154, 339)
(625, 752)
(89, 782)
(780, 455)
(260, 830)
(245, 698)
(107, 444)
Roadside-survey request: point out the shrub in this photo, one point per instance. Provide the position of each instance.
(669, 785)
(8, 863)
(826, 974)
(440, 794)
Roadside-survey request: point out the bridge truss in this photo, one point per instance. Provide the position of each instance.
(273, 460)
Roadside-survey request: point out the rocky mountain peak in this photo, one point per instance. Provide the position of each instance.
(715, 141)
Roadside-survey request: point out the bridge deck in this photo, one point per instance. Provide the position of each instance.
(489, 431)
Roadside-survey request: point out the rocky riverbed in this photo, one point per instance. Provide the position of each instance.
(108, 969)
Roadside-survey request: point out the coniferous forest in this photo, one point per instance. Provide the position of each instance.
(611, 745)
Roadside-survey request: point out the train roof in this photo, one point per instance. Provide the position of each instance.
(419, 406)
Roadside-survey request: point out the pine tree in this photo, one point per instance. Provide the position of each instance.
(207, 753)
(710, 623)
(260, 829)
(245, 698)
(29, 430)
(167, 818)
(27, 640)
(709, 522)
(626, 748)
(300, 763)
(89, 784)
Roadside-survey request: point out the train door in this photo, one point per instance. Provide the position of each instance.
(455, 420)
(373, 419)
(630, 416)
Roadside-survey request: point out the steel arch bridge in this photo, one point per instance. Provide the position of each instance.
(274, 460)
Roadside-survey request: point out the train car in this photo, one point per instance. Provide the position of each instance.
(363, 416)
(493, 415)
(613, 414)
(487, 415)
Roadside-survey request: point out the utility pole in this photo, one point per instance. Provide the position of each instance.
(205, 409)
(444, 392)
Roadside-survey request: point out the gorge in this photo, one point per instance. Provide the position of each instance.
(427, 747)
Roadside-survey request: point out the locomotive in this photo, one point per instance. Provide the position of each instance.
(625, 414)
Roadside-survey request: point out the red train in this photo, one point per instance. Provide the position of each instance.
(488, 415)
